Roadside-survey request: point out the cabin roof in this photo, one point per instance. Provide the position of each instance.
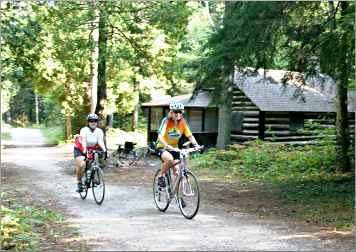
(202, 100)
(267, 91)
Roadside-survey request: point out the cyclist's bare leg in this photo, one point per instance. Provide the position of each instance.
(167, 163)
(167, 159)
(174, 173)
(79, 167)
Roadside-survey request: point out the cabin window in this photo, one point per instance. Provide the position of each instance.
(195, 119)
(211, 120)
(156, 117)
(237, 121)
(296, 121)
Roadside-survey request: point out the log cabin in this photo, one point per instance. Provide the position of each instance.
(272, 105)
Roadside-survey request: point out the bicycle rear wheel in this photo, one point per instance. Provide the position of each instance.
(135, 156)
(188, 195)
(161, 198)
(98, 185)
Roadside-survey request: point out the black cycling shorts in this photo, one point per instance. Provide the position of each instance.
(175, 154)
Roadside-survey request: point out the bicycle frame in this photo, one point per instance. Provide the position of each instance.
(96, 179)
(93, 163)
(182, 170)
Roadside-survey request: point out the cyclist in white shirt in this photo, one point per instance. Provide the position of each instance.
(91, 137)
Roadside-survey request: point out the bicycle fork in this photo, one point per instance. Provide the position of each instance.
(187, 188)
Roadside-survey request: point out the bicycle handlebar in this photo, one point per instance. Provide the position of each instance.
(190, 150)
(90, 154)
(96, 151)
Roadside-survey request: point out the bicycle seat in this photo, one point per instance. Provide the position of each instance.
(128, 146)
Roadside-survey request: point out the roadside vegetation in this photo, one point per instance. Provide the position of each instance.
(304, 181)
(20, 226)
(5, 136)
(54, 134)
(27, 224)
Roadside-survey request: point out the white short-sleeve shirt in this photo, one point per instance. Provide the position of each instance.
(92, 137)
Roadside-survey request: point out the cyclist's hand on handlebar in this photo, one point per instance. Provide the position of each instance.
(199, 148)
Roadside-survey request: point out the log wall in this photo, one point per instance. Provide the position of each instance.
(249, 123)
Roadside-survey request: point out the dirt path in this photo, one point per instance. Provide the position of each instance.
(128, 220)
(24, 137)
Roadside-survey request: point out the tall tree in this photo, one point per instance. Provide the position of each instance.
(227, 74)
(101, 107)
(94, 59)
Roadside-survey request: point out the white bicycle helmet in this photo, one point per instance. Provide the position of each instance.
(176, 106)
(92, 117)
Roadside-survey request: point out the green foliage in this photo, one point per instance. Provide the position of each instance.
(17, 226)
(124, 122)
(54, 134)
(51, 114)
(325, 135)
(265, 161)
(5, 136)
(47, 48)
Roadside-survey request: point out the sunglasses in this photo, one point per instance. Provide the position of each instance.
(178, 112)
(92, 121)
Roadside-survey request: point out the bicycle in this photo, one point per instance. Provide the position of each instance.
(95, 179)
(183, 191)
(130, 156)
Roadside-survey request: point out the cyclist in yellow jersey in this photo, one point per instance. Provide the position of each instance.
(172, 128)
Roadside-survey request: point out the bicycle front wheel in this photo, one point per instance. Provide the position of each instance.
(83, 194)
(188, 197)
(161, 197)
(98, 186)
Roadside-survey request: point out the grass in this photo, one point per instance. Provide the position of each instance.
(54, 135)
(303, 181)
(5, 136)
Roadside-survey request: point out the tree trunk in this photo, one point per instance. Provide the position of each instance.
(94, 58)
(227, 72)
(136, 93)
(67, 110)
(331, 8)
(37, 110)
(111, 120)
(68, 126)
(101, 108)
(224, 124)
(342, 128)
